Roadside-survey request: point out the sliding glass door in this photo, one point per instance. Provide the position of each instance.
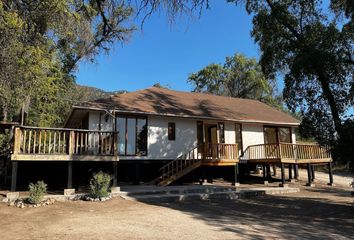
(132, 132)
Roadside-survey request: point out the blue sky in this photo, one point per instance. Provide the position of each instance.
(168, 53)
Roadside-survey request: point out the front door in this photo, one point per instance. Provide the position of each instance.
(211, 139)
(271, 139)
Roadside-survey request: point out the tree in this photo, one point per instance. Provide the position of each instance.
(313, 51)
(42, 42)
(240, 77)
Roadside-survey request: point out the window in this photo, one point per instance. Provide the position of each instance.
(141, 136)
(270, 135)
(132, 135)
(171, 131)
(238, 135)
(221, 133)
(284, 135)
(277, 135)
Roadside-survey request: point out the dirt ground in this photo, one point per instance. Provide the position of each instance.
(315, 213)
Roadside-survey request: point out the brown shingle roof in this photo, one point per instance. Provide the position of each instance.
(160, 101)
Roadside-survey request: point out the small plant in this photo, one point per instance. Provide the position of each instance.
(36, 192)
(100, 185)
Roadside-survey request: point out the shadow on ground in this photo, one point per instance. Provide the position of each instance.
(283, 217)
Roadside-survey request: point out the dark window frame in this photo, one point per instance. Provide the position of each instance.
(221, 137)
(171, 131)
(136, 117)
(239, 147)
(277, 132)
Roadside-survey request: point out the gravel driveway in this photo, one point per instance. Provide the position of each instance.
(315, 213)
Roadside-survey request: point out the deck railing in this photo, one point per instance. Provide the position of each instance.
(61, 141)
(286, 151)
(220, 151)
(194, 158)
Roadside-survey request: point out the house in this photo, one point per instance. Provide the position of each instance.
(159, 135)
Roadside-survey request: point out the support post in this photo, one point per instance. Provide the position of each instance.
(296, 171)
(115, 174)
(290, 172)
(14, 176)
(264, 171)
(70, 175)
(235, 183)
(269, 176)
(330, 174)
(309, 175)
(274, 170)
(201, 181)
(282, 175)
(137, 173)
(313, 172)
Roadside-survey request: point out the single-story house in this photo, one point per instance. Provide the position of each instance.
(176, 132)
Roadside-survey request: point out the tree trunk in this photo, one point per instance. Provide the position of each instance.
(331, 101)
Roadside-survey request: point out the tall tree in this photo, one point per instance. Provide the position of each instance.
(239, 77)
(42, 42)
(313, 50)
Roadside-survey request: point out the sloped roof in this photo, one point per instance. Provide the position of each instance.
(161, 101)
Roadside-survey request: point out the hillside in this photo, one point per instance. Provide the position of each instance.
(86, 93)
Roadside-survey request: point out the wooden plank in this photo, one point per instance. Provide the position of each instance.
(55, 141)
(39, 141)
(29, 141)
(24, 139)
(62, 157)
(45, 141)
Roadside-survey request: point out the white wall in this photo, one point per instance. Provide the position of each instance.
(252, 134)
(94, 121)
(293, 135)
(159, 147)
(230, 137)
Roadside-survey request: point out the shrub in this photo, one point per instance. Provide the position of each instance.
(100, 185)
(36, 192)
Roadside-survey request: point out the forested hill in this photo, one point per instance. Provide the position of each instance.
(54, 111)
(86, 93)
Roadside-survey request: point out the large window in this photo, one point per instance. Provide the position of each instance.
(132, 132)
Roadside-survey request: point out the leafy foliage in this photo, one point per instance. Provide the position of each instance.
(313, 51)
(343, 149)
(240, 77)
(42, 42)
(37, 191)
(100, 185)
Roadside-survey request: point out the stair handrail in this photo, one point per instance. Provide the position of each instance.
(190, 158)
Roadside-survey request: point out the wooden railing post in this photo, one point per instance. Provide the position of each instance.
(17, 140)
(71, 149)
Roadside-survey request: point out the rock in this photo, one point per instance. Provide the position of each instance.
(12, 196)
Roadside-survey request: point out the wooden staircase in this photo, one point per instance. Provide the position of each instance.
(180, 167)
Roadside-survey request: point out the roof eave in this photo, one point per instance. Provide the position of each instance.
(191, 116)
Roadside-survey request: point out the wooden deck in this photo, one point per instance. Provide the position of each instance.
(220, 154)
(287, 153)
(60, 144)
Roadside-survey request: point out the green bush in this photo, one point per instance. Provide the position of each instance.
(100, 185)
(36, 192)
